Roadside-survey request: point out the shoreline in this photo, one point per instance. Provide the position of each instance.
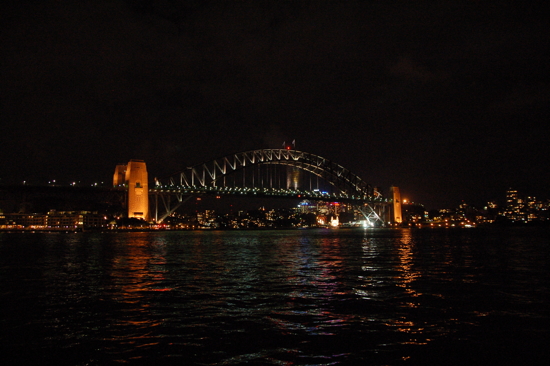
(126, 230)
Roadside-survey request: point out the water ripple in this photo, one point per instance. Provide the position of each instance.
(314, 297)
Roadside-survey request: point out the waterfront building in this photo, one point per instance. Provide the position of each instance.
(65, 220)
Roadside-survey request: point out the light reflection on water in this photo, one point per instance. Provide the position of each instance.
(275, 297)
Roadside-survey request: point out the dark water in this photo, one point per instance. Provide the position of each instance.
(309, 297)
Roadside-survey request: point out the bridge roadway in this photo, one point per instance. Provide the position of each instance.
(315, 195)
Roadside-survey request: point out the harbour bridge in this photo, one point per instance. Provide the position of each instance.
(254, 174)
(276, 173)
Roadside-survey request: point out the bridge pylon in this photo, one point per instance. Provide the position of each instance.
(134, 177)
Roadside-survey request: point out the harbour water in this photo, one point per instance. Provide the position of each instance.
(289, 297)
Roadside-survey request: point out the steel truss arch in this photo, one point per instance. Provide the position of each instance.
(210, 174)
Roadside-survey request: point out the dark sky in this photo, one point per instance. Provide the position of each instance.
(448, 100)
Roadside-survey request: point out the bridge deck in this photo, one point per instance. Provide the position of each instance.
(266, 192)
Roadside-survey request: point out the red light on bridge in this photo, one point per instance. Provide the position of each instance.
(288, 147)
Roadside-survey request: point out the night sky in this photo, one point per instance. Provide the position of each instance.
(448, 100)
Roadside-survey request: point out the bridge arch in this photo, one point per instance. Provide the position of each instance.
(212, 173)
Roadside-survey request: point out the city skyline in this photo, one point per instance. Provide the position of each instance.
(447, 101)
